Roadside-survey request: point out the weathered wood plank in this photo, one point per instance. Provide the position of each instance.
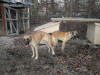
(76, 19)
(48, 27)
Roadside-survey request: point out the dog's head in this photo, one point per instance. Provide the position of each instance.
(27, 40)
(75, 34)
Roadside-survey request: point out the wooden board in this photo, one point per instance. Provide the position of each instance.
(76, 19)
(48, 27)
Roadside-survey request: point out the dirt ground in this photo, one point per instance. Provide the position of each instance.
(77, 59)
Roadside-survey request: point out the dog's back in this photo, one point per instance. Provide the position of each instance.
(61, 35)
(40, 37)
(37, 36)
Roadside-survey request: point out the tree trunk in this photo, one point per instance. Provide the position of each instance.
(52, 6)
(66, 10)
(35, 7)
(91, 8)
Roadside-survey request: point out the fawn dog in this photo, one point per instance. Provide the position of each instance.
(62, 36)
(39, 37)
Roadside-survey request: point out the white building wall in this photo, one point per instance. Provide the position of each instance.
(93, 33)
(97, 33)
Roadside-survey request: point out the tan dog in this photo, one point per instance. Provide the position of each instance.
(37, 38)
(63, 36)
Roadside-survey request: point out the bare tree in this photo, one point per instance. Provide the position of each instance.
(52, 6)
(91, 7)
(68, 7)
(65, 6)
(35, 7)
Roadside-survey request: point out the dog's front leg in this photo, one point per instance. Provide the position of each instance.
(63, 45)
(36, 51)
(33, 51)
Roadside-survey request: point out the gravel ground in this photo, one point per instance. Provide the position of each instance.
(6, 42)
(77, 59)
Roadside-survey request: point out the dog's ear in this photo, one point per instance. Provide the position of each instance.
(30, 38)
(72, 33)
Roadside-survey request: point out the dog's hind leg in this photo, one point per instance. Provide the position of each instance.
(50, 46)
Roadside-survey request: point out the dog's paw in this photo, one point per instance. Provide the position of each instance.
(36, 58)
(53, 53)
(32, 56)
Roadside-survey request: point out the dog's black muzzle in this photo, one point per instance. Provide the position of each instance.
(75, 37)
(27, 41)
